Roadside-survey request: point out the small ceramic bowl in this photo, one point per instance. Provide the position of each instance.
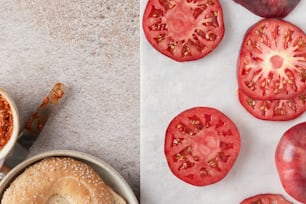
(110, 176)
(11, 142)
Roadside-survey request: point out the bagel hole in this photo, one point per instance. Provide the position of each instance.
(57, 199)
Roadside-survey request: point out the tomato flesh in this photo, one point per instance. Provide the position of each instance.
(269, 8)
(272, 62)
(290, 159)
(266, 199)
(201, 145)
(183, 30)
(274, 110)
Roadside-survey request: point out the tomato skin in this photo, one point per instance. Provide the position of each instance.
(266, 199)
(201, 145)
(269, 8)
(183, 30)
(290, 160)
(272, 60)
(274, 110)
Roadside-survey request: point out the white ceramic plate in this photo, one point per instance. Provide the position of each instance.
(107, 173)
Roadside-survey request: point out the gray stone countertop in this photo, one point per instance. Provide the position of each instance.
(93, 48)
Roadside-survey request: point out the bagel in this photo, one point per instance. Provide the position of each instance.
(60, 180)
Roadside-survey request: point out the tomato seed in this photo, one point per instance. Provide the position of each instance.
(171, 47)
(251, 102)
(155, 13)
(223, 156)
(186, 151)
(178, 157)
(210, 2)
(167, 4)
(292, 106)
(211, 19)
(159, 38)
(278, 111)
(210, 36)
(301, 43)
(196, 123)
(250, 85)
(177, 141)
(303, 75)
(203, 171)
(186, 50)
(213, 163)
(262, 108)
(183, 129)
(186, 165)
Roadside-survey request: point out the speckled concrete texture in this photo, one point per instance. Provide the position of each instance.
(90, 46)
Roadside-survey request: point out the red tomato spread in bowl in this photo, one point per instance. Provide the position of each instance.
(6, 121)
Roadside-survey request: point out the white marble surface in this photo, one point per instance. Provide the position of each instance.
(93, 48)
(168, 87)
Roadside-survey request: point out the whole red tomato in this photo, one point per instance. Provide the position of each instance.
(269, 8)
(290, 158)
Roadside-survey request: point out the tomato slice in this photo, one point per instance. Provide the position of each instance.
(290, 159)
(183, 30)
(272, 62)
(274, 110)
(266, 199)
(201, 145)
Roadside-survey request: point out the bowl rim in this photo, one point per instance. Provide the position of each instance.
(123, 188)
(16, 125)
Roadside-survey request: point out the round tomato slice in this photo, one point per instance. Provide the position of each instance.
(201, 145)
(272, 62)
(183, 30)
(290, 159)
(266, 199)
(274, 110)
